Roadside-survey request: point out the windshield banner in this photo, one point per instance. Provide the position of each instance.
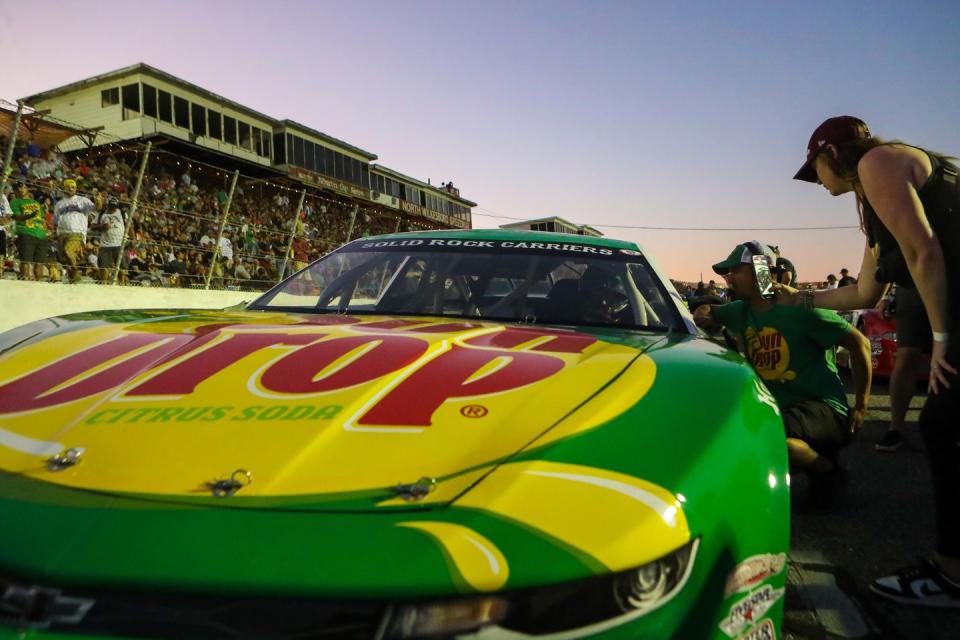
(433, 244)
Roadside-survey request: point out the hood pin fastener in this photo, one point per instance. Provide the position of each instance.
(65, 459)
(417, 490)
(226, 488)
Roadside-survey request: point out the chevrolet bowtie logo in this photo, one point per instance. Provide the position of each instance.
(38, 608)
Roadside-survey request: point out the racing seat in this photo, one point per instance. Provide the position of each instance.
(563, 301)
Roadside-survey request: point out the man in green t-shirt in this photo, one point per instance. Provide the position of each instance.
(792, 349)
(32, 245)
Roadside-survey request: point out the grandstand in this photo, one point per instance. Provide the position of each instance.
(554, 224)
(281, 192)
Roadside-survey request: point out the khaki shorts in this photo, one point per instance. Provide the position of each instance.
(109, 256)
(32, 248)
(72, 248)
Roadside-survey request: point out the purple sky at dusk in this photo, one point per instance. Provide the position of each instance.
(605, 113)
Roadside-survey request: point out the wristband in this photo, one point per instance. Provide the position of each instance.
(941, 336)
(806, 297)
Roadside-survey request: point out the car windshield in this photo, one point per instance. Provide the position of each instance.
(530, 282)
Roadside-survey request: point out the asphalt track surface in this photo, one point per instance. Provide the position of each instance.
(882, 521)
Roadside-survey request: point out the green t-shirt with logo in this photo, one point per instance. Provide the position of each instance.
(791, 348)
(34, 225)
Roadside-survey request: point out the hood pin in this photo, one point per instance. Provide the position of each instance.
(417, 490)
(226, 488)
(65, 459)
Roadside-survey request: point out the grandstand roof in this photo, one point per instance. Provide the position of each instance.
(340, 143)
(396, 174)
(141, 67)
(36, 128)
(524, 223)
(146, 69)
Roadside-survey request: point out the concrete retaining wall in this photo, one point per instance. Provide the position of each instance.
(22, 302)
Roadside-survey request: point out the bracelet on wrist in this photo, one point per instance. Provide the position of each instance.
(941, 336)
(806, 297)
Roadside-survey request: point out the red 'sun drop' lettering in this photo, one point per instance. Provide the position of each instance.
(415, 399)
(183, 377)
(27, 393)
(295, 372)
(560, 343)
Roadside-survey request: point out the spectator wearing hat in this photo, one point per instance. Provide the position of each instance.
(70, 215)
(791, 349)
(845, 278)
(907, 201)
(110, 225)
(783, 270)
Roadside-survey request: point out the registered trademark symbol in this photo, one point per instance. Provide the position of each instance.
(474, 411)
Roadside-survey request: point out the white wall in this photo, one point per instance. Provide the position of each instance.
(22, 302)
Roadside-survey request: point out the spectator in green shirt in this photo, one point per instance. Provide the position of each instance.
(792, 349)
(32, 244)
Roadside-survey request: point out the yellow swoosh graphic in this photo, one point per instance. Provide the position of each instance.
(620, 520)
(477, 559)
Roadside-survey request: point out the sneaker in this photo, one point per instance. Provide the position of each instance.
(922, 585)
(890, 441)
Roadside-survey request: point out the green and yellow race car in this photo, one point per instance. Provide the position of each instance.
(480, 434)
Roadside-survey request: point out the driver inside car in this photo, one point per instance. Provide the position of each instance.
(594, 297)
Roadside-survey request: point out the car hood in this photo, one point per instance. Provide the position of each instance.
(294, 411)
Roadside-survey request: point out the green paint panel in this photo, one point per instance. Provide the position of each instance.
(705, 432)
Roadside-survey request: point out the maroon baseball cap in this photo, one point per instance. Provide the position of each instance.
(831, 131)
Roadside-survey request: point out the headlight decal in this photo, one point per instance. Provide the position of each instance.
(478, 561)
(573, 611)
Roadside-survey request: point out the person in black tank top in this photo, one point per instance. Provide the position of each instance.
(909, 206)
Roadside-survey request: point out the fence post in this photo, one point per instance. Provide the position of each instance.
(293, 233)
(133, 209)
(353, 221)
(13, 140)
(223, 224)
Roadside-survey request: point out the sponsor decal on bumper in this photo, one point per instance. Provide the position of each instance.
(753, 571)
(750, 609)
(764, 631)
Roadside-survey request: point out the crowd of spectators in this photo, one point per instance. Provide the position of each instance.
(84, 202)
(714, 293)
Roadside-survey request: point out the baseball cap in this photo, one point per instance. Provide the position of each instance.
(69, 182)
(831, 131)
(743, 254)
(783, 264)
